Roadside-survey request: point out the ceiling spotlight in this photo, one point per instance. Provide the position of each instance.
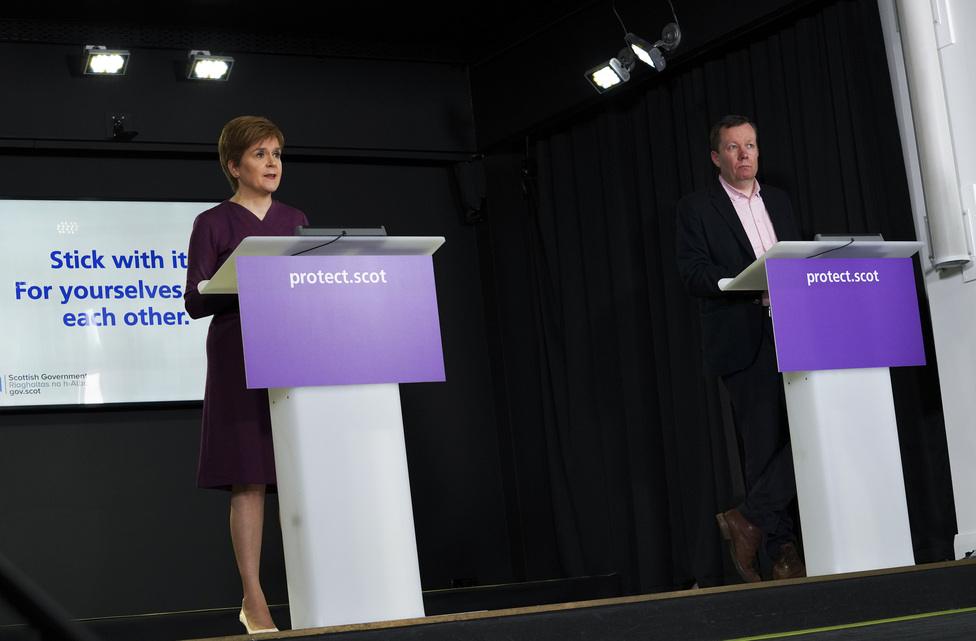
(646, 52)
(613, 72)
(617, 70)
(204, 66)
(100, 61)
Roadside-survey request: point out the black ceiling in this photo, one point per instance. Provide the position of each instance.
(467, 31)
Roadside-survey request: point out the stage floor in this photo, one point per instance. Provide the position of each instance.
(951, 625)
(936, 601)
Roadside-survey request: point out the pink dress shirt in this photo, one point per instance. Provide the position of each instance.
(754, 218)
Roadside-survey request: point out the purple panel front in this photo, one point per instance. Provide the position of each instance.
(339, 320)
(833, 313)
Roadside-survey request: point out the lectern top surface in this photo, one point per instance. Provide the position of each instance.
(225, 280)
(753, 277)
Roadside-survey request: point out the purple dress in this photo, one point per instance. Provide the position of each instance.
(235, 442)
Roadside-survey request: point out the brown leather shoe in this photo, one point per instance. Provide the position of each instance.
(789, 565)
(744, 539)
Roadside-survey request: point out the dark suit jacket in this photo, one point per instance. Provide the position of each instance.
(711, 244)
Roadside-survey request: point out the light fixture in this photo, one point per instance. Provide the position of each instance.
(100, 61)
(612, 72)
(616, 71)
(647, 53)
(204, 66)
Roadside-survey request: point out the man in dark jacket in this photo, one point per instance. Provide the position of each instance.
(720, 231)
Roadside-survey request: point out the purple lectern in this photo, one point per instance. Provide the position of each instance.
(843, 313)
(331, 333)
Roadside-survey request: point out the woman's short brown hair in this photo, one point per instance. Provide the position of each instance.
(239, 134)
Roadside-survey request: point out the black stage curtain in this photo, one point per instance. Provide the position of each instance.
(619, 459)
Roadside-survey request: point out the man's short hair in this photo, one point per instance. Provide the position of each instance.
(727, 122)
(239, 134)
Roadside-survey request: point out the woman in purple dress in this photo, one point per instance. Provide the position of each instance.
(235, 442)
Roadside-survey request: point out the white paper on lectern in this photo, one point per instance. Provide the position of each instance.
(225, 280)
(753, 277)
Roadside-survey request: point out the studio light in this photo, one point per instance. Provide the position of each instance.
(204, 66)
(100, 61)
(611, 73)
(647, 53)
(617, 70)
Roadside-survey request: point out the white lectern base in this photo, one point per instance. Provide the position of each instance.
(849, 480)
(965, 544)
(344, 496)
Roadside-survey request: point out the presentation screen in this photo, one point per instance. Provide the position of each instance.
(92, 303)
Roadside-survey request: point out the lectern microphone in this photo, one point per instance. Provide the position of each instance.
(340, 231)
